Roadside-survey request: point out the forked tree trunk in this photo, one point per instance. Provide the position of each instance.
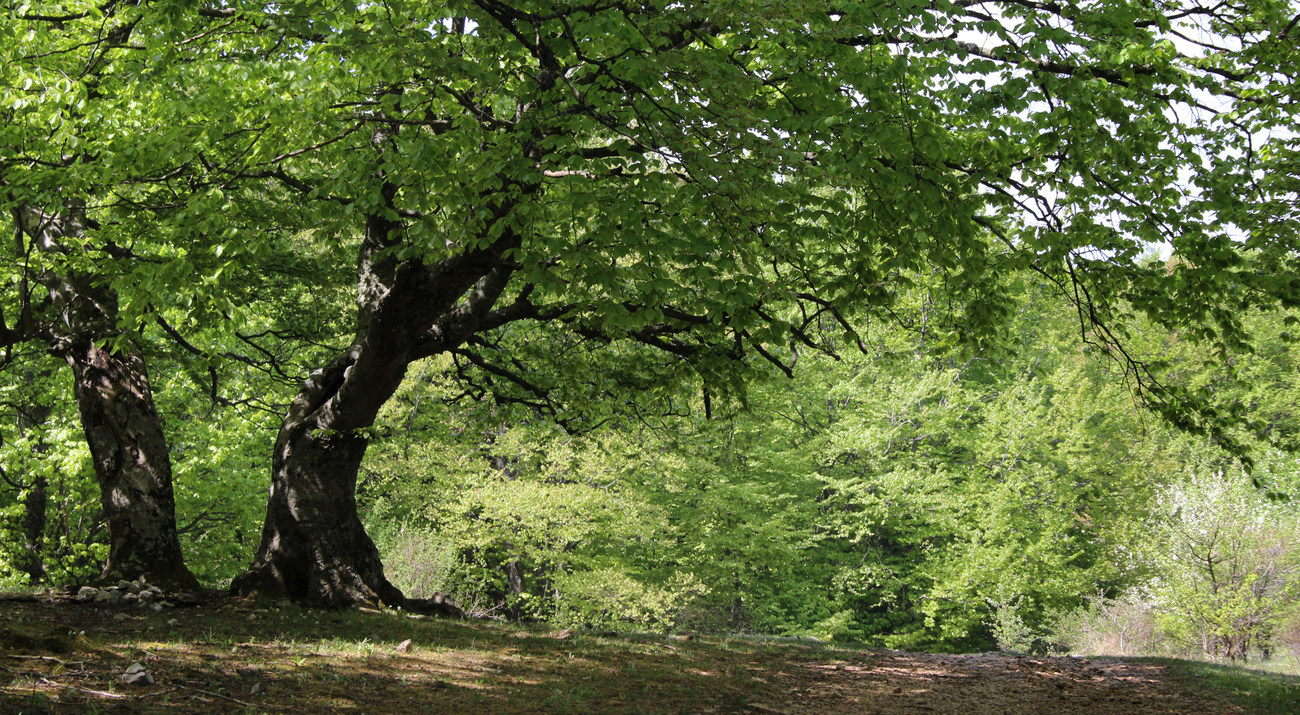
(314, 549)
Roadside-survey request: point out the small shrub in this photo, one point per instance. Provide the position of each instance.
(612, 598)
(1012, 633)
(422, 565)
(1289, 634)
(1110, 626)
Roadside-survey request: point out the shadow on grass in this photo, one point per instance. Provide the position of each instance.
(1253, 688)
(231, 655)
(235, 656)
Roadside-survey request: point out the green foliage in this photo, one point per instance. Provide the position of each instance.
(889, 498)
(695, 197)
(524, 521)
(43, 451)
(1229, 563)
(219, 474)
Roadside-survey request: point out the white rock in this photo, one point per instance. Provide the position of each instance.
(136, 674)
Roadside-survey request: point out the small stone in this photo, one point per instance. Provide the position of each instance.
(156, 606)
(136, 674)
(173, 622)
(130, 598)
(146, 595)
(404, 646)
(102, 595)
(86, 593)
(120, 616)
(257, 688)
(123, 585)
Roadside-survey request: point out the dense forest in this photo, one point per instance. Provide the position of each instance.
(935, 325)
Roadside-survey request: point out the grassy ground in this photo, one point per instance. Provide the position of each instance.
(1263, 688)
(233, 656)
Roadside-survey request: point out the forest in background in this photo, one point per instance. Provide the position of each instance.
(830, 319)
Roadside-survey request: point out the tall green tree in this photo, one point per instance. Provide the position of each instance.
(709, 185)
(57, 85)
(711, 181)
(118, 122)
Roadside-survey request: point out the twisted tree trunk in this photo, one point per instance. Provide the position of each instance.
(115, 402)
(314, 548)
(132, 464)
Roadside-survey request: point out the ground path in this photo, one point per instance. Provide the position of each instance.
(57, 655)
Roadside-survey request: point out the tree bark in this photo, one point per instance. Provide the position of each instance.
(32, 561)
(115, 402)
(132, 465)
(314, 548)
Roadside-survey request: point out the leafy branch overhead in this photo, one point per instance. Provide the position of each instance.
(706, 189)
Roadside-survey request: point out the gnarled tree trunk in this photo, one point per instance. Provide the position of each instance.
(132, 465)
(314, 549)
(115, 402)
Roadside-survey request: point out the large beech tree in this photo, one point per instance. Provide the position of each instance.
(114, 399)
(62, 93)
(120, 239)
(719, 182)
(718, 185)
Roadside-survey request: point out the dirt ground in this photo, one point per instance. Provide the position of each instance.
(225, 655)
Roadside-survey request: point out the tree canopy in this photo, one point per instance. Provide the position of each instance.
(703, 189)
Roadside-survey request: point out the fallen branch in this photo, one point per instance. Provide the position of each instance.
(50, 658)
(100, 693)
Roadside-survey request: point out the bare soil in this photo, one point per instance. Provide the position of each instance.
(224, 655)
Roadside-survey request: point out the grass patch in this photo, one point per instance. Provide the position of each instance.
(1256, 689)
(235, 656)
